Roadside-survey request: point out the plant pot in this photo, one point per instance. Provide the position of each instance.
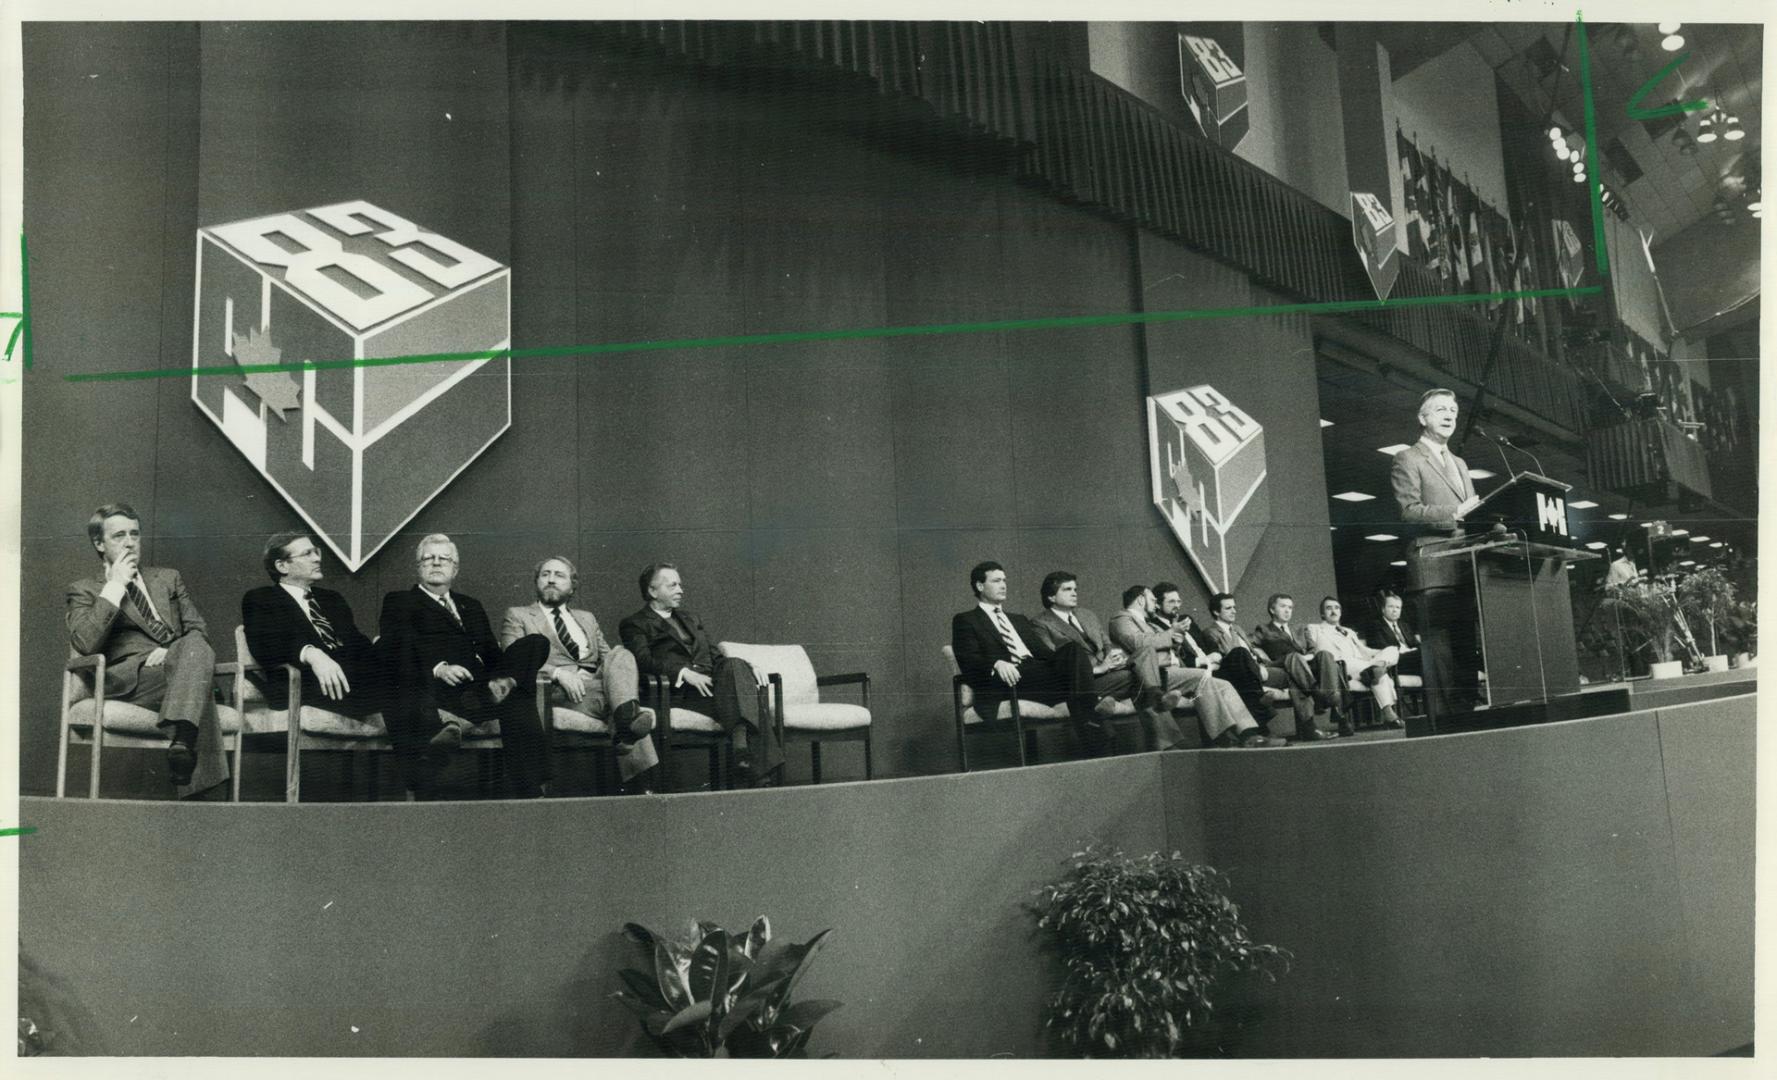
(1715, 663)
(1741, 660)
(1667, 669)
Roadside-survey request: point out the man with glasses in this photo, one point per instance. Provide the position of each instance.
(294, 621)
(441, 654)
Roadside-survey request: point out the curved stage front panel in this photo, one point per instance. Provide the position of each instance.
(1578, 888)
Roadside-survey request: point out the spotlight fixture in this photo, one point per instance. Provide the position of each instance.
(1734, 132)
(1561, 152)
(1706, 128)
(1554, 134)
(1579, 177)
(1673, 40)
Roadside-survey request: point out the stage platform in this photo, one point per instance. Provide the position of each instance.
(1571, 888)
(1597, 699)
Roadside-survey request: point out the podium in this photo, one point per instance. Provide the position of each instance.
(1516, 550)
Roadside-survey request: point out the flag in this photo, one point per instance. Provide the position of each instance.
(1477, 247)
(1410, 208)
(1458, 244)
(1432, 220)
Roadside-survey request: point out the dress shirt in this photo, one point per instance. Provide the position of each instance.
(574, 630)
(995, 614)
(114, 591)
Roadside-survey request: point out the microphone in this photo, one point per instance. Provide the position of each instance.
(1498, 443)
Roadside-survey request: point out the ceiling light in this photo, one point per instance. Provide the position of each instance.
(1480, 474)
(1391, 451)
(1582, 504)
(1579, 177)
(1326, 423)
(1619, 517)
(1383, 537)
(1688, 562)
(1353, 496)
(1679, 532)
(1716, 544)
(1734, 133)
(1672, 42)
(1555, 134)
(1398, 562)
(1698, 539)
(1596, 545)
(1561, 152)
(1670, 27)
(1755, 205)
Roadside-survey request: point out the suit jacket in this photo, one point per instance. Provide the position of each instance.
(1226, 639)
(1424, 491)
(1380, 636)
(96, 625)
(1131, 634)
(1348, 646)
(659, 651)
(1055, 630)
(535, 619)
(278, 630)
(1278, 645)
(418, 634)
(978, 645)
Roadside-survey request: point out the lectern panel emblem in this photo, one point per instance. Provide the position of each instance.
(1207, 463)
(356, 449)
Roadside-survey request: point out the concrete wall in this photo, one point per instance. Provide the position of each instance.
(1293, 92)
(1583, 888)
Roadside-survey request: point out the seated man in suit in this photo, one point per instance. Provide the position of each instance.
(670, 642)
(997, 650)
(1115, 674)
(1226, 722)
(1369, 665)
(441, 654)
(1309, 673)
(1392, 631)
(294, 621)
(1245, 666)
(597, 679)
(157, 654)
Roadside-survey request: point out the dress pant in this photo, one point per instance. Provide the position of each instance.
(734, 704)
(1219, 707)
(1443, 613)
(413, 719)
(180, 688)
(615, 683)
(1315, 684)
(1379, 681)
(1239, 670)
(1063, 676)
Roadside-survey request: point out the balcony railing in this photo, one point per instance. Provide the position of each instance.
(1637, 455)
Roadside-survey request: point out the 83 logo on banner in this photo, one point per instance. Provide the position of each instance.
(1207, 463)
(357, 451)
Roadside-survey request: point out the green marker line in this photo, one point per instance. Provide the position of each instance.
(25, 295)
(12, 314)
(1675, 108)
(1593, 184)
(24, 830)
(793, 336)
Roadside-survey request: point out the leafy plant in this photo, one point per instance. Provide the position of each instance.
(1651, 608)
(1706, 596)
(717, 994)
(1144, 942)
(1740, 628)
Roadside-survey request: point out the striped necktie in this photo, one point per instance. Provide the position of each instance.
(329, 640)
(157, 630)
(444, 602)
(1009, 636)
(561, 631)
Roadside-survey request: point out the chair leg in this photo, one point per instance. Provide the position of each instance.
(814, 759)
(374, 768)
(866, 753)
(239, 738)
(1029, 749)
(715, 768)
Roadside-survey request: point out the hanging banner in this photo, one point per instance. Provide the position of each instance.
(1569, 255)
(1372, 233)
(1213, 83)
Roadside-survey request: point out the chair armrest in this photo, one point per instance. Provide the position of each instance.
(87, 663)
(772, 697)
(841, 680)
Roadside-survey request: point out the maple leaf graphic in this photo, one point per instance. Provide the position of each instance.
(279, 390)
(1185, 488)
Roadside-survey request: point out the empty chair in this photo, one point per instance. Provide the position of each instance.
(797, 708)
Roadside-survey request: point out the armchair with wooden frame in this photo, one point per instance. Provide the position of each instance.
(89, 719)
(797, 708)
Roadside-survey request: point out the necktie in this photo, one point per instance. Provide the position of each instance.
(329, 642)
(1007, 635)
(1075, 623)
(444, 602)
(561, 631)
(157, 630)
(1452, 471)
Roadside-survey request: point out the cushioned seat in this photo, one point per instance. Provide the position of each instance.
(126, 719)
(127, 725)
(796, 702)
(566, 719)
(968, 718)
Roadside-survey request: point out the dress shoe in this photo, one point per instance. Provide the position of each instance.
(1106, 706)
(181, 763)
(1171, 700)
(1310, 735)
(1255, 741)
(629, 722)
(448, 739)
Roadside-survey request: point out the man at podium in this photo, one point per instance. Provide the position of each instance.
(1433, 488)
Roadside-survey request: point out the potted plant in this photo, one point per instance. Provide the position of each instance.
(716, 994)
(1740, 633)
(1145, 943)
(1651, 609)
(1706, 597)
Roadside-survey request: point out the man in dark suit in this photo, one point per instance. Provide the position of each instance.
(996, 650)
(441, 654)
(1393, 630)
(595, 677)
(1310, 674)
(1244, 665)
(294, 621)
(157, 652)
(670, 642)
(1434, 491)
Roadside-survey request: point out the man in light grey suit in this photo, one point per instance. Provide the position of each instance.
(597, 678)
(157, 652)
(1226, 720)
(1433, 488)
